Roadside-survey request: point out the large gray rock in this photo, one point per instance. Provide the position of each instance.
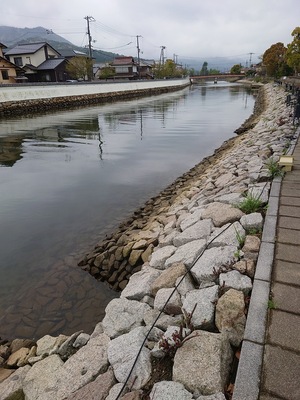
(221, 213)
(160, 255)
(230, 316)
(139, 284)
(43, 379)
(206, 268)
(122, 353)
(199, 230)
(191, 219)
(168, 277)
(51, 378)
(168, 300)
(252, 221)
(169, 390)
(230, 198)
(260, 190)
(167, 240)
(224, 180)
(12, 387)
(184, 284)
(123, 315)
(229, 234)
(236, 280)
(202, 364)
(96, 390)
(49, 344)
(81, 340)
(83, 367)
(204, 300)
(115, 391)
(187, 253)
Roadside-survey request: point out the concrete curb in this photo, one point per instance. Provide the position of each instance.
(249, 373)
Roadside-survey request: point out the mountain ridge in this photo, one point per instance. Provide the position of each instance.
(11, 36)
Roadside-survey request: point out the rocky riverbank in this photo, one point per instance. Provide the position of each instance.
(185, 263)
(124, 252)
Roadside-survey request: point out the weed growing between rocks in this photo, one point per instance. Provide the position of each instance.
(251, 204)
(254, 232)
(274, 169)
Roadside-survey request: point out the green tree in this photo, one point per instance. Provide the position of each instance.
(274, 60)
(213, 71)
(107, 72)
(236, 69)
(293, 51)
(80, 68)
(167, 70)
(204, 69)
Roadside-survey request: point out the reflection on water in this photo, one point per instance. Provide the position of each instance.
(68, 178)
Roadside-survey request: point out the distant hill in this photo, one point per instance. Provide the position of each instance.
(223, 64)
(10, 37)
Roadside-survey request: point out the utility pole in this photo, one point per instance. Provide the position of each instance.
(250, 59)
(162, 57)
(88, 20)
(138, 54)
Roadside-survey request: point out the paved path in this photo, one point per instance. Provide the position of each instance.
(281, 361)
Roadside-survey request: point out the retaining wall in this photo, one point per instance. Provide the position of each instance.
(18, 100)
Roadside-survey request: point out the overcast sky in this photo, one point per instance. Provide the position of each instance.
(187, 28)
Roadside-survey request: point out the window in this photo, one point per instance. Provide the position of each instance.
(5, 76)
(18, 61)
(122, 70)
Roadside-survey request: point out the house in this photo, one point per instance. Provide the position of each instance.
(8, 71)
(40, 62)
(71, 53)
(125, 68)
(31, 54)
(146, 69)
(53, 70)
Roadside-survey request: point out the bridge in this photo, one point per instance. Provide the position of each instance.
(216, 78)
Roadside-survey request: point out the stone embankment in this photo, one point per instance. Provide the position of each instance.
(175, 330)
(124, 252)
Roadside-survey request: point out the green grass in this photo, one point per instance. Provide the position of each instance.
(274, 168)
(271, 305)
(250, 204)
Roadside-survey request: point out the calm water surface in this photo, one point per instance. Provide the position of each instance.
(68, 178)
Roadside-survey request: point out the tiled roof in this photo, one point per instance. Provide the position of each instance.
(28, 48)
(51, 64)
(123, 61)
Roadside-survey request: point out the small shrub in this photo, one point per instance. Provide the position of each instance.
(274, 168)
(250, 204)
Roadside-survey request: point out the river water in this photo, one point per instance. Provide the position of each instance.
(67, 178)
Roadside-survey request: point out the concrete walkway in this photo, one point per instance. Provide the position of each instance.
(280, 377)
(269, 365)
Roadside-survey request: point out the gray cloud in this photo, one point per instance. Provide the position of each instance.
(187, 28)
